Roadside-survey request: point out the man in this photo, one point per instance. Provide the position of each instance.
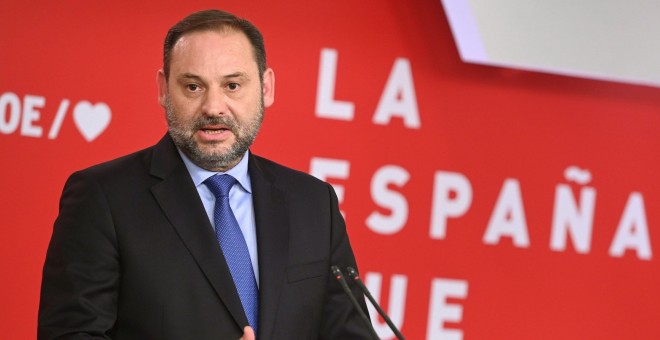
(140, 247)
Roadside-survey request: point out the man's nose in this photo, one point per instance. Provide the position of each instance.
(215, 103)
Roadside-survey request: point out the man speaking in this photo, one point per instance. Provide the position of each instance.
(196, 237)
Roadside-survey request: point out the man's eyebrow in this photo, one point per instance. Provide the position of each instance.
(189, 76)
(236, 75)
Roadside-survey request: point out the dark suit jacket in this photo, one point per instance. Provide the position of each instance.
(133, 256)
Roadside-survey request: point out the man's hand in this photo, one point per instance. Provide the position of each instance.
(248, 333)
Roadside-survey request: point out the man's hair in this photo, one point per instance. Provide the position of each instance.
(214, 20)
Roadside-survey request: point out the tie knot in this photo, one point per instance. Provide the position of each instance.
(220, 184)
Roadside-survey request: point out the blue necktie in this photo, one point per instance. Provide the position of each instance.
(233, 246)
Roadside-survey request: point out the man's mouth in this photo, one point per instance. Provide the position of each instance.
(214, 131)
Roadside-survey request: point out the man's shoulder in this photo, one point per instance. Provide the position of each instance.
(281, 173)
(129, 172)
(137, 160)
(125, 174)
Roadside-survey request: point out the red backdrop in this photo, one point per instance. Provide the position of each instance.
(453, 175)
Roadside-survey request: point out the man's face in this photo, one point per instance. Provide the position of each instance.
(214, 99)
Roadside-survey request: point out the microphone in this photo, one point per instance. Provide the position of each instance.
(352, 273)
(340, 277)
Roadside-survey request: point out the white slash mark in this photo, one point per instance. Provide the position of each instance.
(59, 117)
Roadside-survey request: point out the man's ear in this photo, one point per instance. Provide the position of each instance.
(162, 87)
(269, 87)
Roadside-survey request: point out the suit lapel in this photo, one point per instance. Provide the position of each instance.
(272, 240)
(180, 202)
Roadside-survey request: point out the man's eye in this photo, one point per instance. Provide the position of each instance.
(193, 87)
(233, 86)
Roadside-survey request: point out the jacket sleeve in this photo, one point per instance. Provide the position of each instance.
(80, 281)
(341, 320)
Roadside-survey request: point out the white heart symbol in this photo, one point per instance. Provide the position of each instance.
(91, 120)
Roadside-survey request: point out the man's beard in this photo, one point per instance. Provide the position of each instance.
(182, 134)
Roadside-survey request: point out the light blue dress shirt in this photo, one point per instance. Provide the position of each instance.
(240, 200)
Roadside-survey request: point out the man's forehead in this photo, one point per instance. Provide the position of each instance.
(197, 48)
(230, 39)
(210, 33)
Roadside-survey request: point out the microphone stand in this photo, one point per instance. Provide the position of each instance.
(352, 273)
(342, 281)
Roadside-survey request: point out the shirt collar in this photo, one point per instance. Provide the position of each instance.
(240, 171)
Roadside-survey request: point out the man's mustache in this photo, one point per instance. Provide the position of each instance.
(226, 121)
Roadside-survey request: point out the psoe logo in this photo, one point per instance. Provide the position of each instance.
(23, 116)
